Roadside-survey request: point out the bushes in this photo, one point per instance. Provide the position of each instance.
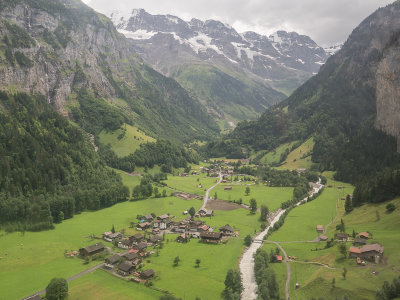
(267, 285)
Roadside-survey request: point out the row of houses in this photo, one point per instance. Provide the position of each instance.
(206, 234)
(128, 264)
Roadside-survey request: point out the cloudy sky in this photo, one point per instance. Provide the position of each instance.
(327, 22)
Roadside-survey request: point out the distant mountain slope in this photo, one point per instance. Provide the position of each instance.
(354, 94)
(211, 51)
(87, 70)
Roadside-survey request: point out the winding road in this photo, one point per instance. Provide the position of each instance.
(205, 199)
(246, 264)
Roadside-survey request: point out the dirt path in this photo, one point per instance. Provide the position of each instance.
(42, 292)
(205, 199)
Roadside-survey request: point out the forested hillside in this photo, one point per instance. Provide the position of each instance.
(48, 168)
(338, 107)
(87, 70)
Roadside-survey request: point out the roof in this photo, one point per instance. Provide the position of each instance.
(113, 259)
(137, 236)
(141, 245)
(95, 247)
(372, 247)
(355, 250)
(147, 273)
(278, 257)
(320, 227)
(226, 228)
(342, 234)
(360, 240)
(148, 217)
(130, 255)
(213, 235)
(164, 216)
(155, 238)
(366, 234)
(323, 237)
(204, 227)
(143, 224)
(125, 266)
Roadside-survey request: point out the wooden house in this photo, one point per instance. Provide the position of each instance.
(341, 236)
(130, 256)
(226, 230)
(148, 218)
(126, 268)
(359, 242)
(320, 228)
(372, 252)
(137, 238)
(140, 246)
(112, 260)
(146, 274)
(110, 237)
(210, 237)
(364, 235)
(227, 188)
(183, 238)
(91, 250)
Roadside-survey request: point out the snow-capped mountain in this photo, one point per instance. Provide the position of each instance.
(201, 51)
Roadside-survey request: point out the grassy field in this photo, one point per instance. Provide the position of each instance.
(190, 184)
(100, 285)
(270, 196)
(36, 257)
(295, 160)
(316, 281)
(131, 140)
(275, 156)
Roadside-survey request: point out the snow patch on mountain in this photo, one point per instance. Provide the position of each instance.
(138, 34)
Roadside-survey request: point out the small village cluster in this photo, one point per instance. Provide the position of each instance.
(154, 230)
(360, 250)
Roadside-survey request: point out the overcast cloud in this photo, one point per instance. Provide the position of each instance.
(326, 22)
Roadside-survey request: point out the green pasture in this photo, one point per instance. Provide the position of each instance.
(100, 285)
(275, 155)
(125, 144)
(190, 184)
(295, 160)
(36, 257)
(269, 196)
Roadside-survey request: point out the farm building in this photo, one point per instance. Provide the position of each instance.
(91, 250)
(154, 238)
(341, 236)
(148, 218)
(211, 237)
(124, 244)
(364, 235)
(278, 258)
(203, 227)
(359, 241)
(228, 188)
(109, 236)
(226, 230)
(131, 256)
(112, 260)
(140, 246)
(143, 226)
(137, 238)
(371, 252)
(146, 274)
(323, 238)
(320, 228)
(163, 217)
(183, 238)
(126, 268)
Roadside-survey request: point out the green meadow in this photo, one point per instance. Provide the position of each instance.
(36, 257)
(275, 156)
(296, 158)
(126, 143)
(315, 280)
(190, 184)
(269, 196)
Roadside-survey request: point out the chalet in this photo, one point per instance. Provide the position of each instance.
(211, 237)
(140, 246)
(137, 238)
(154, 238)
(323, 238)
(371, 252)
(183, 238)
(130, 256)
(341, 236)
(320, 228)
(124, 244)
(91, 250)
(109, 236)
(112, 260)
(278, 258)
(148, 218)
(203, 227)
(143, 226)
(163, 217)
(146, 274)
(209, 213)
(126, 268)
(359, 241)
(227, 188)
(364, 235)
(226, 230)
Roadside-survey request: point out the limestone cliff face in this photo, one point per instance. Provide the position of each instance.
(54, 68)
(388, 93)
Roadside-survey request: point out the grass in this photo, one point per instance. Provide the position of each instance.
(207, 281)
(295, 160)
(100, 285)
(129, 143)
(316, 281)
(272, 197)
(190, 184)
(275, 156)
(36, 257)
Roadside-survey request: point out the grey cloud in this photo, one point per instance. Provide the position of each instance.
(327, 22)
